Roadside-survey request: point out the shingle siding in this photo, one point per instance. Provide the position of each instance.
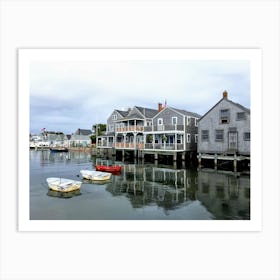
(167, 114)
(211, 122)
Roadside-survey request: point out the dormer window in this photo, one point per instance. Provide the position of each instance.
(224, 116)
(196, 121)
(114, 117)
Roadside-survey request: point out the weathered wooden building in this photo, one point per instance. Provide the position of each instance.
(224, 132)
(165, 131)
(172, 130)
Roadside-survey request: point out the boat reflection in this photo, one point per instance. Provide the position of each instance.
(63, 194)
(86, 181)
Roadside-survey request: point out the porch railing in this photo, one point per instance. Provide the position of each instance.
(176, 127)
(105, 144)
(130, 128)
(139, 146)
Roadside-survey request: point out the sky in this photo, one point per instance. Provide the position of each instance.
(67, 95)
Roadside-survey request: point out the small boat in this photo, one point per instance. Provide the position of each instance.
(95, 175)
(63, 185)
(58, 149)
(105, 168)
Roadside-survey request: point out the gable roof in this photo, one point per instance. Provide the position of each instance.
(80, 131)
(187, 113)
(123, 113)
(134, 115)
(147, 112)
(182, 112)
(233, 103)
(139, 113)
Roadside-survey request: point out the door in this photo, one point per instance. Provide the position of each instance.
(232, 141)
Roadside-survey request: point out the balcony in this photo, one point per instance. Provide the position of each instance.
(139, 146)
(105, 144)
(157, 128)
(131, 128)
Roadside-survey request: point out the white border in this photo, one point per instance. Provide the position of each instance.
(25, 56)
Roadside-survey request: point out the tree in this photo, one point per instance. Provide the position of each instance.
(98, 130)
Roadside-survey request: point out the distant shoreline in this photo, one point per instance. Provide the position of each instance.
(82, 149)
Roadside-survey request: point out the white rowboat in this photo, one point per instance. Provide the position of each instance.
(63, 185)
(95, 175)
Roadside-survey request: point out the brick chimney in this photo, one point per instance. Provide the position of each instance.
(225, 95)
(160, 107)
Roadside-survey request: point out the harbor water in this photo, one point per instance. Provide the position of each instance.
(142, 191)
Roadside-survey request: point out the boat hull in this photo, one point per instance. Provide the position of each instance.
(63, 185)
(58, 150)
(112, 169)
(95, 175)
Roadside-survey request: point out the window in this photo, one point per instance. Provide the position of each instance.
(188, 120)
(174, 120)
(219, 135)
(240, 116)
(247, 136)
(205, 135)
(159, 121)
(188, 138)
(196, 122)
(196, 138)
(224, 116)
(114, 117)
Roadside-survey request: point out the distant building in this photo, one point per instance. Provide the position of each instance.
(225, 129)
(81, 138)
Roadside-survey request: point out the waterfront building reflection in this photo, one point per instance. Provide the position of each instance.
(224, 195)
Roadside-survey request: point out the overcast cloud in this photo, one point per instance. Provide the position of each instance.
(68, 95)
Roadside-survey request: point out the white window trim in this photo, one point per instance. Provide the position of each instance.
(188, 138)
(114, 117)
(176, 120)
(196, 138)
(196, 121)
(160, 119)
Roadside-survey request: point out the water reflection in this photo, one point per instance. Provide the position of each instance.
(225, 195)
(46, 156)
(64, 194)
(140, 191)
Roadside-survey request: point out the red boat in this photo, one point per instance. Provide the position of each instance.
(105, 168)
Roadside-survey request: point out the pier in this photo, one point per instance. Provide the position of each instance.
(221, 159)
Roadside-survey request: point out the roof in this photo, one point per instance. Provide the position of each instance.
(133, 116)
(123, 113)
(80, 131)
(186, 113)
(147, 112)
(141, 114)
(233, 103)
